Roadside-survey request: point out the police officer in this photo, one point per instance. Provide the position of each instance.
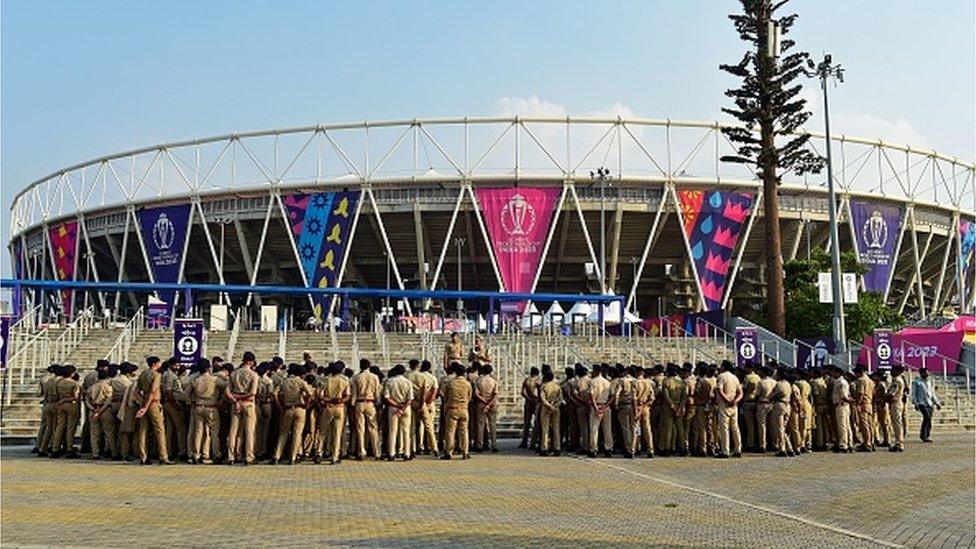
(67, 412)
(863, 394)
(897, 388)
(457, 397)
(333, 394)
(486, 395)
(623, 403)
(365, 390)
(398, 395)
(840, 397)
(728, 394)
(148, 395)
(600, 424)
(203, 398)
(293, 397)
(242, 389)
(550, 397)
(529, 393)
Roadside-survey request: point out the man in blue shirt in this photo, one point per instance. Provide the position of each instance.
(924, 399)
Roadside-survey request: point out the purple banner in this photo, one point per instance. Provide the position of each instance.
(876, 228)
(4, 337)
(157, 315)
(164, 232)
(812, 352)
(64, 247)
(746, 345)
(188, 340)
(883, 348)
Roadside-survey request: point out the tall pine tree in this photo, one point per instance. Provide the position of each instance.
(769, 105)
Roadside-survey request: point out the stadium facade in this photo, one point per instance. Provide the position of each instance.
(469, 202)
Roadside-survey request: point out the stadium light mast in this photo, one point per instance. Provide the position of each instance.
(828, 70)
(459, 242)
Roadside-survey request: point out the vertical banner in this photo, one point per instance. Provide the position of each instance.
(4, 338)
(883, 351)
(712, 222)
(812, 352)
(967, 248)
(164, 231)
(321, 225)
(64, 247)
(188, 340)
(518, 220)
(746, 345)
(876, 228)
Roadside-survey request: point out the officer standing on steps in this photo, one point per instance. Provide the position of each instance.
(453, 350)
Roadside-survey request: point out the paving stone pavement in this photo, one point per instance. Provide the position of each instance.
(921, 498)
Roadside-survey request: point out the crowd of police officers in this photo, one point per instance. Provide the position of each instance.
(215, 412)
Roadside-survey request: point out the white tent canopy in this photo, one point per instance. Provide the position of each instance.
(531, 317)
(554, 310)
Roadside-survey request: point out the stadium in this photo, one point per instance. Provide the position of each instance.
(621, 206)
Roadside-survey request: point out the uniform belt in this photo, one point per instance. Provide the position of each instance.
(457, 407)
(358, 400)
(302, 406)
(202, 405)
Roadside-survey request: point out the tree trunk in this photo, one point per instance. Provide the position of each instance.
(775, 301)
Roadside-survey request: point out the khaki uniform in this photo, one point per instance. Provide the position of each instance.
(550, 394)
(643, 400)
(727, 415)
(293, 394)
(675, 394)
(623, 399)
(840, 397)
(703, 427)
(530, 389)
(750, 386)
(332, 394)
(600, 419)
(173, 410)
(148, 391)
(44, 427)
(123, 440)
(426, 435)
(243, 385)
(567, 415)
(881, 412)
(103, 427)
(204, 399)
(821, 413)
(453, 352)
(685, 420)
(365, 389)
(264, 408)
(90, 379)
(399, 390)
(486, 388)
(49, 410)
(581, 394)
(806, 413)
(863, 394)
(780, 398)
(479, 355)
(764, 412)
(66, 414)
(896, 410)
(457, 397)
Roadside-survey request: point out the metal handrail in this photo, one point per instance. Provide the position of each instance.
(123, 344)
(235, 333)
(72, 335)
(728, 340)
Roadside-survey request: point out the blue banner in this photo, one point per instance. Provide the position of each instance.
(746, 346)
(876, 228)
(188, 340)
(164, 231)
(321, 225)
(812, 352)
(4, 337)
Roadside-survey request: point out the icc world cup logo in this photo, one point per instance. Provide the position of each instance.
(518, 216)
(875, 231)
(163, 233)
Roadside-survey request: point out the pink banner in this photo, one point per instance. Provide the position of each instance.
(518, 220)
(922, 347)
(961, 324)
(64, 243)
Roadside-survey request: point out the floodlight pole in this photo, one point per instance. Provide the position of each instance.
(827, 70)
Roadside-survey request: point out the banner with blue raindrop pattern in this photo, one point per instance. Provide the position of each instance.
(712, 222)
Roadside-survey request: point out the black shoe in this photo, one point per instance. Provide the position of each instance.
(495, 450)
(522, 446)
(556, 453)
(34, 450)
(291, 462)
(721, 456)
(543, 453)
(591, 454)
(863, 449)
(273, 461)
(893, 449)
(850, 450)
(608, 454)
(446, 456)
(650, 456)
(782, 454)
(144, 462)
(390, 458)
(73, 455)
(629, 455)
(737, 455)
(926, 440)
(42, 454)
(193, 461)
(245, 463)
(318, 460)
(837, 450)
(230, 462)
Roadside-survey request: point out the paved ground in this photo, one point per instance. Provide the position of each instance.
(923, 497)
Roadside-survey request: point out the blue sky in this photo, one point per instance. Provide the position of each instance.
(80, 79)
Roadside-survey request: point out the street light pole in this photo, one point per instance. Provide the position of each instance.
(602, 174)
(827, 70)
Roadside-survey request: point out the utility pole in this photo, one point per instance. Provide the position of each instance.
(602, 174)
(827, 70)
